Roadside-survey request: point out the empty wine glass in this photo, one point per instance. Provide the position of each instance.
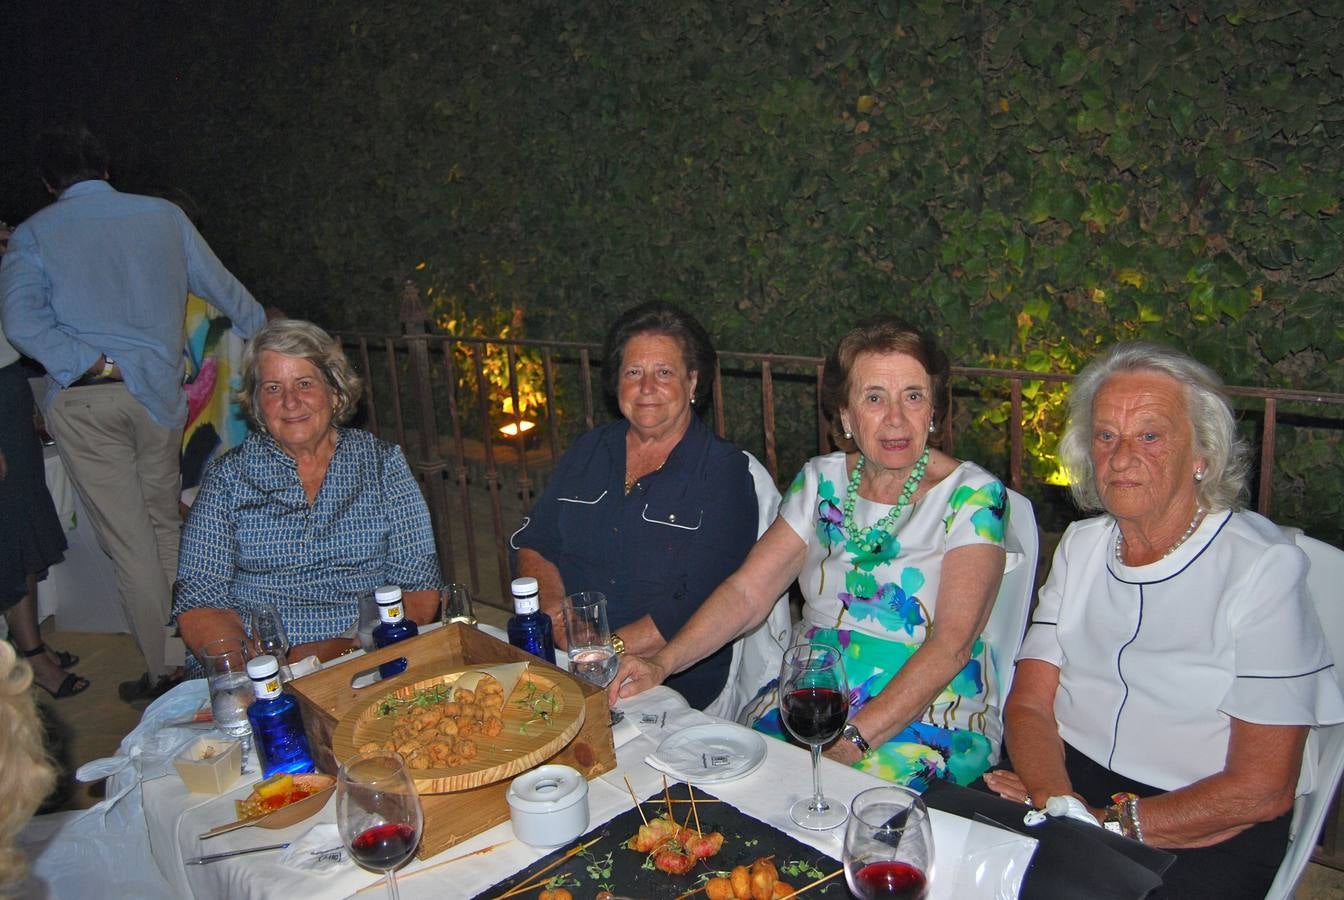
(269, 635)
(889, 845)
(813, 704)
(378, 812)
(591, 654)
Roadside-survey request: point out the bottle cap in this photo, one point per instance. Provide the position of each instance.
(387, 594)
(525, 599)
(265, 674)
(262, 667)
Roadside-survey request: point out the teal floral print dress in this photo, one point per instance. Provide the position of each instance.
(874, 597)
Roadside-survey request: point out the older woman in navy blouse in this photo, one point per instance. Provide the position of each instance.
(1174, 665)
(652, 510)
(303, 514)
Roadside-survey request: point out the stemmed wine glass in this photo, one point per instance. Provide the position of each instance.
(591, 654)
(378, 812)
(813, 704)
(889, 845)
(269, 635)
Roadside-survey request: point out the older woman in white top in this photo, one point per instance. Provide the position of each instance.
(1174, 665)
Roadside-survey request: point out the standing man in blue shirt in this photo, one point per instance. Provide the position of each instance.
(94, 287)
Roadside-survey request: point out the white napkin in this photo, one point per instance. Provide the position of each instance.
(319, 850)
(695, 761)
(306, 666)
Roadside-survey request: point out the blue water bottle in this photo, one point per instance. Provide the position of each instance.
(393, 626)
(277, 727)
(530, 629)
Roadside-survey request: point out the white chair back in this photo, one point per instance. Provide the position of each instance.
(756, 654)
(1325, 748)
(1008, 621)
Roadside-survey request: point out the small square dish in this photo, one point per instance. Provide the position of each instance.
(210, 765)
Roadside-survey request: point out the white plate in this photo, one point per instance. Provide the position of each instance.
(712, 754)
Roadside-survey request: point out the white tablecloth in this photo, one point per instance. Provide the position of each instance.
(154, 826)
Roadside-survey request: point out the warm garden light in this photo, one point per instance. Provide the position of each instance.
(513, 429)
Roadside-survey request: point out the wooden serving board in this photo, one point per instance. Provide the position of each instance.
(326, 696)
(526, 740)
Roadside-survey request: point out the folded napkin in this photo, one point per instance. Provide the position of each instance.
(319, 850)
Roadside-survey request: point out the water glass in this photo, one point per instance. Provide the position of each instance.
(888, 845)
(225, 662)
(591, 655)
(455, 603)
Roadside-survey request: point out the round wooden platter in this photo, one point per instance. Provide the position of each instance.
(525, 741)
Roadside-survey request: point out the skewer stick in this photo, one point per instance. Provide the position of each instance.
(667, 796)
(404, 875)
(808, 887)
(537, 880)
(631, 788)
(690, 790)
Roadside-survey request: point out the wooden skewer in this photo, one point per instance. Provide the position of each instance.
(696, 800)
(808, 887)
(537, 880)
(690, 790)
(667, 795)
(403, 876)
(631, 788)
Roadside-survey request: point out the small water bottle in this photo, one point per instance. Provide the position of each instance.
(393, 626)
(277, 726)
(530, 629)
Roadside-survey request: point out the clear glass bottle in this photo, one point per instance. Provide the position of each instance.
(530, 629)
(393, 626)
(277, 726)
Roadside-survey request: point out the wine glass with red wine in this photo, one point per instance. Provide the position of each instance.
(813, 704)
(889, 845)
(378, 812)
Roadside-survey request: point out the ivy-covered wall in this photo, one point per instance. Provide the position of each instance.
(1032, 178)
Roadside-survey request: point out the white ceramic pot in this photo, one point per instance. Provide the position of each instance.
(549, 806)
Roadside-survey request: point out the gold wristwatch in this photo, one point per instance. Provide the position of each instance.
(617, 643)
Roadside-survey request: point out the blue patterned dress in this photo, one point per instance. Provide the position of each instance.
(875, 602)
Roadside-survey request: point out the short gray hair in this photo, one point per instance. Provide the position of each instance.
(298, 338)
(1226, 477)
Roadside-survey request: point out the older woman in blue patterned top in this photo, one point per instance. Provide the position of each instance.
(303, 514)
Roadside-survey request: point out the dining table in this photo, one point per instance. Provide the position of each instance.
(141, 836)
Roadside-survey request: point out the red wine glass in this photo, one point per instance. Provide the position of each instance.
(889, 845)
(378, 812)
(813, 704)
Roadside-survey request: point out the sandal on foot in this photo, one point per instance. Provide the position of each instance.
(64, 659)
(72, 685)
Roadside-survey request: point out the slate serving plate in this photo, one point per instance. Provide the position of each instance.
(609, 865)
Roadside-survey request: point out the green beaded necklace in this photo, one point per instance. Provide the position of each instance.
(885, 523)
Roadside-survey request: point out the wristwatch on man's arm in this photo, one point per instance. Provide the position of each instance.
(851, 733)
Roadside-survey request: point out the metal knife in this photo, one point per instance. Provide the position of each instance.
(215, 857)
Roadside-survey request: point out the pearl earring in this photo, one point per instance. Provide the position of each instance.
(848, 436)
(1199, 476)
(930, 428)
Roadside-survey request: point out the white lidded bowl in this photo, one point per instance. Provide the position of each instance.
(549, 806)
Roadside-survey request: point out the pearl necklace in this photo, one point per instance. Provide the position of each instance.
(1194, 523)
(885, 523)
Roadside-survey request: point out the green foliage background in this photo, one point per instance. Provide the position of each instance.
(1032, 179)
